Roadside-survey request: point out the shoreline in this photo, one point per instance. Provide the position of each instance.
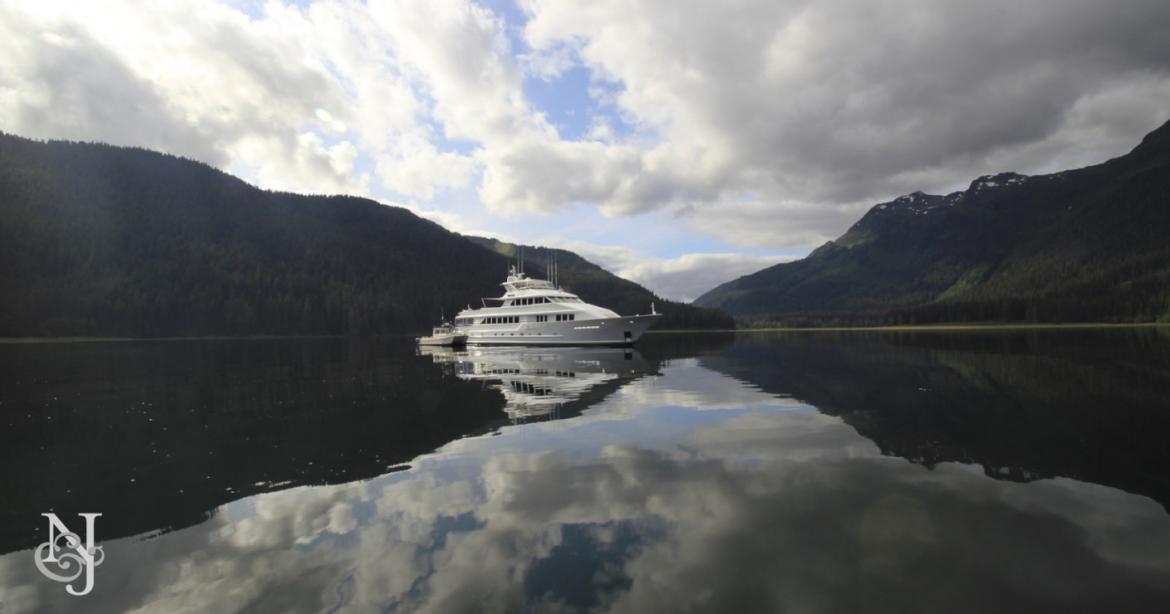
(30, 340)
(776, 329)
(957, 327)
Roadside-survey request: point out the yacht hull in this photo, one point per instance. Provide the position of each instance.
(622, 330)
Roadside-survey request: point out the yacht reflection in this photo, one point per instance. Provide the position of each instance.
(544, 383)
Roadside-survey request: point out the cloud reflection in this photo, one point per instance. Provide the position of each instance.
(772, 510)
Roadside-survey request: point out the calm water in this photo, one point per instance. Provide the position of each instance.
(805, 472)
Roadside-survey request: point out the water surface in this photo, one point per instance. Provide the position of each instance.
(810, 472)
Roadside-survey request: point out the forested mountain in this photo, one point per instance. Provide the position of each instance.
(604, 288)
(102, 240)
(1091, 244)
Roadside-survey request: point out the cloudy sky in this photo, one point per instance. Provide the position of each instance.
(677, 143)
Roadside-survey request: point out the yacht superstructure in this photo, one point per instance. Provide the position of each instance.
(536, 312)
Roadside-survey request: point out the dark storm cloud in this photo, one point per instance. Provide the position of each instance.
(819, 108)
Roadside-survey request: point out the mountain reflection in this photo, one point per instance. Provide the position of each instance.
(157, 434)
(1092, 404)
(709, 482)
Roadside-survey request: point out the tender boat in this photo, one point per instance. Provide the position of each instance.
(537, 312)
(444, 334)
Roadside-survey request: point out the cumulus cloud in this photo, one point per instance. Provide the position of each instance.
(57, 81)
(293, 99)
(762, 124)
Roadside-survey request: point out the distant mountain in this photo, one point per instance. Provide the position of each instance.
(102, 240)
(1091, 244)
(599, 286)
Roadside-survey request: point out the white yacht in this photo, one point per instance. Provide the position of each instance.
(536, 312)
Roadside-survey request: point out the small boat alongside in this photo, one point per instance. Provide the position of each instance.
(445, 334)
